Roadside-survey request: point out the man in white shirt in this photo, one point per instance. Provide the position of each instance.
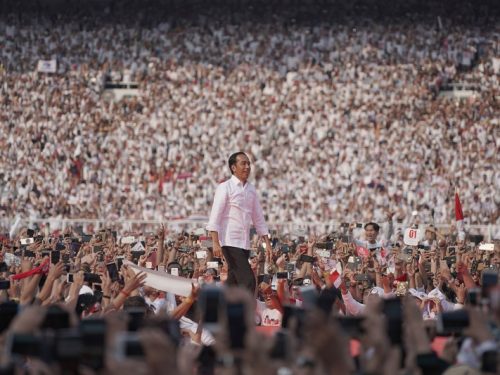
(236, 206)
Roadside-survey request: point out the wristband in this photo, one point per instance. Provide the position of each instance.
(109, 297)
(126, 294)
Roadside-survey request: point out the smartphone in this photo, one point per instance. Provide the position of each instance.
(119, 261)
(282, 275)
(161, 268)
(210, 302)
(213, 265)
(174, 271)
(280, 348)
(56, 318)
(8, 311)
(202, 254)
(306, 258)
(25, 345)
(136, 317)
(489, 279)
(487, 247)
(361, 277)
(75, 247)
(92, 278)
(28, 254)
(55, 256)
(65, 258)
(309, 296)
(97, 249)
(60, 246)
(353, 263)
(474, 296)
(4, 284)
(128, 345)
(359, 225)
(207, 243)
(86, 238)
(127, 240)
(27, 241)
(423, 247)
(325, 245)
(264, 278)
(293, 312)
(68, 346)
(290, 267)
(113, 271)
(451, 322)
(93, 334)
(323, 253)
(30, 233)
(69, 278)
(352, 325)
(3, 267)
(237, 327)
(394, 314)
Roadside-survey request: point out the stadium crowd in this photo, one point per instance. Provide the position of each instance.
(341, 119)
(342, 116)
(81, 303)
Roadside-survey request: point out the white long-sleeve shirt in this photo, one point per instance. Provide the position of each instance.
(235, 208)
(352, 306)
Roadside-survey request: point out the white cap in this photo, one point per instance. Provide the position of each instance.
(86, 290)
(436, 293)
(378, 291)
(415, 293)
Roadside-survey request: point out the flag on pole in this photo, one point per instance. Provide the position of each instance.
(459, 215)
(335, 278)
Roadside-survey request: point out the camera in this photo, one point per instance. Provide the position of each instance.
(452, 322)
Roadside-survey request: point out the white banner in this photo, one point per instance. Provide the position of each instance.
(412, 236)
(47, 66)
(163, 281)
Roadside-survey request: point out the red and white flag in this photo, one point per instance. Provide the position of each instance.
(459, 215)
(335, 278)
(362, 252)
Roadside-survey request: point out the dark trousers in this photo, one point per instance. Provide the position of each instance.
(239, 271)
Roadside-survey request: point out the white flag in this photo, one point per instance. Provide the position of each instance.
(163, 281)
(47, 66)
(412, 236)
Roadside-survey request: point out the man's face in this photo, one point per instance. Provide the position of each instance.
(242, 167)
(371, 233)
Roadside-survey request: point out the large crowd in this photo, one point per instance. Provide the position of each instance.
(340, 118)
(341, 113)
(353, 301)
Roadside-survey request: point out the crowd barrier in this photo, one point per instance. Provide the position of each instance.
(490, 231)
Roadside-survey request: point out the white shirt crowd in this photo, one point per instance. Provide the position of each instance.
(339, 119)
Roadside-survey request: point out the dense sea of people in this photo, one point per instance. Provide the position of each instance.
(342, 113)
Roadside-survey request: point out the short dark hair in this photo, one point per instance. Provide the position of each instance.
(375, 226)
(232, 159)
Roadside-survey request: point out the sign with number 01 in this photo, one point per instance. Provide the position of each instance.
(412, 236)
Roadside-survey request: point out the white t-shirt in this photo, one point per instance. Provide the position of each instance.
(271, 317)
(268, 317)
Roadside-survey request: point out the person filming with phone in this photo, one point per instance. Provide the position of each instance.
(236, 207)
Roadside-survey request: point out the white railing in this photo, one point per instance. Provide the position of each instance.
(8, 224)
